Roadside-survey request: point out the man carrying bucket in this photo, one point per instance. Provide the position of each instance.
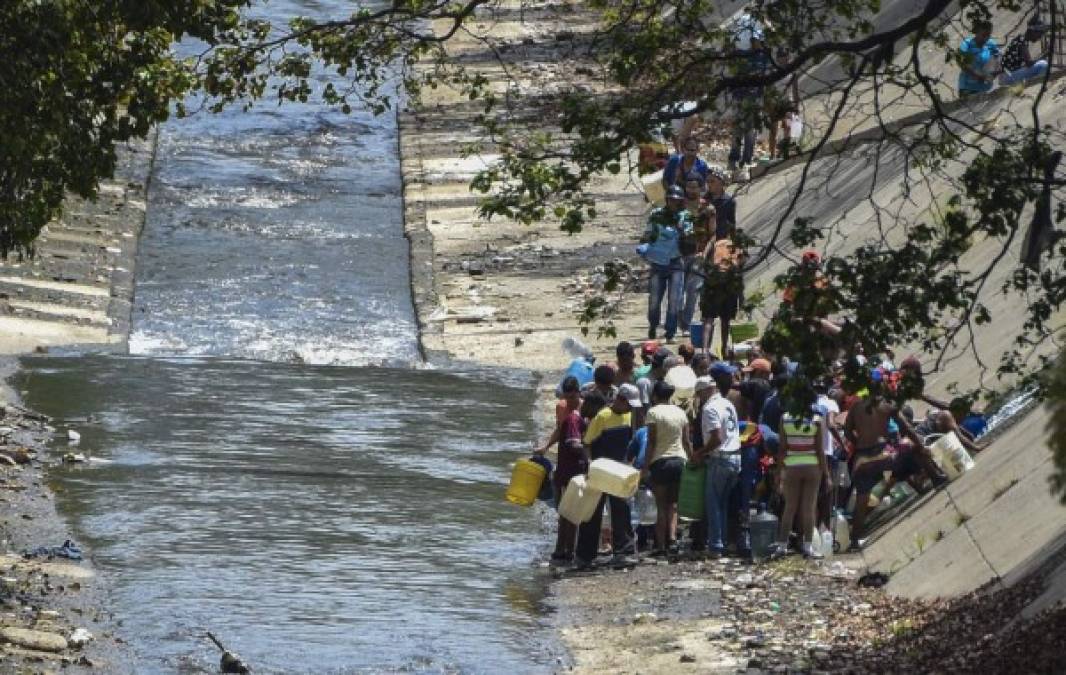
(608, 435)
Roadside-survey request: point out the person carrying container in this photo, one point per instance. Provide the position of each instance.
(804, 473)
(669, 448)
(573, 461)
(608, 435)
(660, 246)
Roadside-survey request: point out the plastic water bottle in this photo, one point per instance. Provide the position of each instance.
(841, 531)
(577, 349)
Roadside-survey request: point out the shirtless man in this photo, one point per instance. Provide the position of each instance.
(867, 428)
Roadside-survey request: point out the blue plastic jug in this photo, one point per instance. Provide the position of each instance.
(581, 369)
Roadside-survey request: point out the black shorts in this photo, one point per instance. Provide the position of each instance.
(719, 306)
(666, 476)
(880, 458)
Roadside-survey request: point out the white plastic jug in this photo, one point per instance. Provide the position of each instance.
(827, 542)
(647, 513)
(614, 478)
(816, 542)
(579, 502)
(952, 457)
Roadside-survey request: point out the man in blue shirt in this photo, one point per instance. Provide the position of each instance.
(975, 54)
(660, 247)
(689, 163)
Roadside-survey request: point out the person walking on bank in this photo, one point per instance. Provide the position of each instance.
(723, 288)
(688, 164)
(724, 205)
(667, 226)
(608, 435)
(669, 448)
(721, 454)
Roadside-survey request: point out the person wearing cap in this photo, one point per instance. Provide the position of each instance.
(976, 58)
(657, 373)
(647, 352)
(754, 389)
(721, 454)
(667, 226)
(669, 448)
(608, 435)
(1018, 63)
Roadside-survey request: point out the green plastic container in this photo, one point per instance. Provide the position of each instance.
(690, 500)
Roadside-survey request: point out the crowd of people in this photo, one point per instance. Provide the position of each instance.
(734, 424)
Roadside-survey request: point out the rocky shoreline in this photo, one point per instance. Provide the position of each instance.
(53, 611)
(77, 292)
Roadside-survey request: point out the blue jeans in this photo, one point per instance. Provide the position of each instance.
(741, 502)
(693, 288)
(668, 280)
(1028, 73)
(723, 471)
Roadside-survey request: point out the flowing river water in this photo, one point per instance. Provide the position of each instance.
(277, 466)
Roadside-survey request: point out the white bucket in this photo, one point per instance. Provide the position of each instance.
(579, 502)
(952, 457)
(614, 478)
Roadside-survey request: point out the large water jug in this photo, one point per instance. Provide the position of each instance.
(952, 457)
(526, 479)
(763, 534)
(614, 478)
(683, 380)
(647, 512)
(579, 502)
(580, 368)
(690, 500)
(841, 531)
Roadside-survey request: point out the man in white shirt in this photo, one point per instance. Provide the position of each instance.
(721, 454)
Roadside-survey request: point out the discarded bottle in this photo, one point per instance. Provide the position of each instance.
(841, 531)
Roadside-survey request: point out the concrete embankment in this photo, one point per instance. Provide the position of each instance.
(76, 292)
(78, 288)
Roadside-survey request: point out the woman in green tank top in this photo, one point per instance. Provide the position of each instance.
(803, 471)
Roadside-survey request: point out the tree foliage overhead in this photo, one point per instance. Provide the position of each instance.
(80, 77)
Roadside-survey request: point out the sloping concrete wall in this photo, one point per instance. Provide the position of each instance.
(78, 288)
(992, 523)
